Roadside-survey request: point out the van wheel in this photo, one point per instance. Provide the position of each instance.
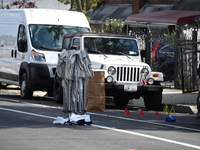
(153, 100)
(25, 89)
(57, 90)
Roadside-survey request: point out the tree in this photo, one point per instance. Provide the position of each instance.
(82, 5)
(110, 26)
(114, 25)
(21, 4)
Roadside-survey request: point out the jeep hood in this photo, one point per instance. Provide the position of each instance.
(100, 62)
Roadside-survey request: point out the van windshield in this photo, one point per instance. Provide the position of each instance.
(49, 37)
(113, 46)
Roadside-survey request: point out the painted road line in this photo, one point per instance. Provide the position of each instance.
(27, 113)
(117, 117)
(117, 130)
(150, 136)
(148, 122)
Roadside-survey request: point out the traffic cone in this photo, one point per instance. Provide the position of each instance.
(128, 113)
(125, 110)
(156, 114)
(141, 112)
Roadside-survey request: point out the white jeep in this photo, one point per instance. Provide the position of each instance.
(126, 76)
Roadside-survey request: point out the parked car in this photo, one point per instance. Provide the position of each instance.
(163, 56)
(30, 43)
(118, 56)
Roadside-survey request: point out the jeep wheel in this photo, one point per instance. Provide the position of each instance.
(26, 91)
(121, 99)
(57, 90)
(153, 100)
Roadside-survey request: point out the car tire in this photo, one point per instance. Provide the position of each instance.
(58, 90)
(153, 100)
(25, 90)
(121, 99)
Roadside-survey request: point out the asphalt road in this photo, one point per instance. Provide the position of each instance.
(28, 125)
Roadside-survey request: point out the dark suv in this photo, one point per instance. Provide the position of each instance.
(163, 58)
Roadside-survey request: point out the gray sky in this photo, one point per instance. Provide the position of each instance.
(49, 4)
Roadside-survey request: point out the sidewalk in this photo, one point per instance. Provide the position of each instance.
(183, 102)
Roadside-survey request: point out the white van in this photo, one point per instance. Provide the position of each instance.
(30, 40)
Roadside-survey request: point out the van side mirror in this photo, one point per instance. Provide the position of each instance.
(22, 45)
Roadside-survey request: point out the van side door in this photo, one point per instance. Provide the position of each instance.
(20, 52)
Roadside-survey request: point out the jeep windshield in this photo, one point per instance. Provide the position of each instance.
(49, 37)
(111, 46)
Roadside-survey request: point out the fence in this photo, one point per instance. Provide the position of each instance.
(176, 56)
(186, 62)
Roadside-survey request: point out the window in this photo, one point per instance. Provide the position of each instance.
(66, 44)
(21, 39)
(114, 46)
(50, 37)
(76, 44)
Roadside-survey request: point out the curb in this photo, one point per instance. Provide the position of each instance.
(179, 108)
(186, 109)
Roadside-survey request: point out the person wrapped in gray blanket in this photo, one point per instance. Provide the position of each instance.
(74, 68)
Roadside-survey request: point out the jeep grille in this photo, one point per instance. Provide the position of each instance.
(128, 74)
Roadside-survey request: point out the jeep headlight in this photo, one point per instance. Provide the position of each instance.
(111, 70)
(144, 72)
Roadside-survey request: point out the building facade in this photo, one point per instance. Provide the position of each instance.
(121, 9)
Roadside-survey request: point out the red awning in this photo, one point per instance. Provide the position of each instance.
(165, 17)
